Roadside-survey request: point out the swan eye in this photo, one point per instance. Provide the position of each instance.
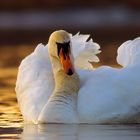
(65, 48)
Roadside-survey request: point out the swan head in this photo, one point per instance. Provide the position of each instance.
(59, 47)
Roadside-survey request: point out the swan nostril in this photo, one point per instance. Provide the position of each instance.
(70, 72)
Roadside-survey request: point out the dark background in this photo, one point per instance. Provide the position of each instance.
(25, 23)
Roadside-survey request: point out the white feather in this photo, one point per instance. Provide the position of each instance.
(84, 51)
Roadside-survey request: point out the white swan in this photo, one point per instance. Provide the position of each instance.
(104, 95)
(35, 81)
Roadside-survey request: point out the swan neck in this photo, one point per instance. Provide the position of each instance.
(62, 104)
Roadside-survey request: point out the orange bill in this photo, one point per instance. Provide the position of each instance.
(66, 62)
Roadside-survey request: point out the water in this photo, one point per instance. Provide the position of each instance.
(11, 121)
(12, 125)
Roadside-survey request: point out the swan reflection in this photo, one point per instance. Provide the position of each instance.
(80, 132)
(50, 132)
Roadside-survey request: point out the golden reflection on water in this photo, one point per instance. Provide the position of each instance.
(9, 112)
(10, 58)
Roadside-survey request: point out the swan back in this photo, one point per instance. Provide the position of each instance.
(112, 95)
(129, 52)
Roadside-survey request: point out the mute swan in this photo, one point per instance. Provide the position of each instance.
(104, 95)
(35, 74)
